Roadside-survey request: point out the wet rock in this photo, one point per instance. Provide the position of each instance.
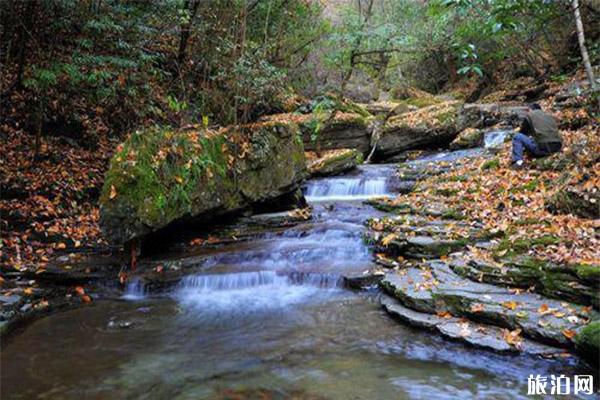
(10, 299)
(428, 246)
(120, 324)
(559, 282)
(433, 126)
(385, 108)
(475, 334)
(468, 138)
(360, 281)
(162, 176)
(482, 115)
(339, 130)
(435, 288)
(335, 162)
(416, 236)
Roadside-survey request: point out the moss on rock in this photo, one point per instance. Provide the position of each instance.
(432, 126)
(589, 273)
(468, 138)
(570, 201)
(161, 175)
(335, 162)
(588, 342)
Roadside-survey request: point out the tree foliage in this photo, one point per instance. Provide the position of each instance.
(113, 65)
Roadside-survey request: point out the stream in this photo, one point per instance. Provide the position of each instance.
(268, 318)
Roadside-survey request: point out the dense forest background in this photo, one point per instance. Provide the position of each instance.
(88, 68)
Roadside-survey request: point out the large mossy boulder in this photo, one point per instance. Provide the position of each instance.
(340, 130)
(334, 162)
(160, 176)
(468, 138)
(428, 127)
(588, 342)
(328, 122)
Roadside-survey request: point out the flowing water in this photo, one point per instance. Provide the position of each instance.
(265, 319)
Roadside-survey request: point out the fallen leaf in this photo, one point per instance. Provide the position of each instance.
(41, 304)
(522, 314)
(569, 334)
(543, 309)
(388, 239)
(122, 277)
(511, 305)
(444, 314)
(477, 307)
(86, 299)
(113, 192)
(512, 337)
(79, 290)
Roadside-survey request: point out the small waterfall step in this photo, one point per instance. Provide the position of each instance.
(245, 280)
(369, 181)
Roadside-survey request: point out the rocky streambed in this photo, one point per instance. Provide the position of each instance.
(263, 308)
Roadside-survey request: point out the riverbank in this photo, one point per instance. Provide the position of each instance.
(261, 308)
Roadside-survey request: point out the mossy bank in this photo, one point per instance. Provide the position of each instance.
(159, 176)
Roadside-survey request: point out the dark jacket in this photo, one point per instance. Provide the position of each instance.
(541, 126)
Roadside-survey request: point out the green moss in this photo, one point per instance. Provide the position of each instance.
(529, 221)
(162, 175)
(528, 187)
(583, 205)
(155, 171)
(588, 342)
(384, 206)
(453, 214)
(446, 192)
(589, 272)
(446, 117)
(458, 178)
(491, 164)
(521, 246)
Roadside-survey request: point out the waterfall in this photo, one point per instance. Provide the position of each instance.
(494, 139)
(135, 290)
(245, 280)
(245, 292)
(346, 188)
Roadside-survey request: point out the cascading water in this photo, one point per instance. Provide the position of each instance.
(329, 245)
(346, 189)
(135, 290)
(363, 185)
(254, 291)
(494, 139)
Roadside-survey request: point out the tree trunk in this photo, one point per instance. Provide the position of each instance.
(581, 37)
(357, 42)
(38, 130)
(23, 40)
(190, 6)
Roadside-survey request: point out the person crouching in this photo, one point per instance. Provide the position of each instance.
(538, 136)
